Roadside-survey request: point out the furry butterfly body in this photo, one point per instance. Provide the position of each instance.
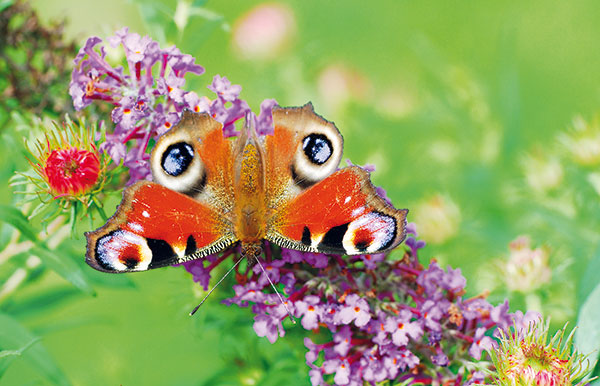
(211, 192)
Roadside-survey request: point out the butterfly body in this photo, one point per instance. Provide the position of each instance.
(211, 192)
(250, 210)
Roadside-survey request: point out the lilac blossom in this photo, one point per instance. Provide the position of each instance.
(480, 343)
(355, 310)
(401, 328)
(310, 311)
(149, 98)
(414, 315)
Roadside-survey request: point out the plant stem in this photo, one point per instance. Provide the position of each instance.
(54, 235)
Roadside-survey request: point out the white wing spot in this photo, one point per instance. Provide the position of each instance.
(358, 211)
(136, 227)
(145, 214)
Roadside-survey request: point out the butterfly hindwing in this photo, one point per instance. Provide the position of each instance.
(340, 214)
(154, 227)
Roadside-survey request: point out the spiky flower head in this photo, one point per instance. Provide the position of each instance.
(524, 357)
(68, 161)
(66, 168)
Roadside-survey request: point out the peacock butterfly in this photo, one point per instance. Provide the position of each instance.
(211, 192)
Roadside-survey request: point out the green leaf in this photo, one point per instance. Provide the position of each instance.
(14, 337)
(197, 33)
(112, 281)
(157, 17)
(65, 267)
(14, 217)
(587, 336)
(18, 352)
(42, 302)
(7, 356)
(5, 4)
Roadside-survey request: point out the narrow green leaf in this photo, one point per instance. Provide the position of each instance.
(14, 217)
(65, 267)
(587, 336)
(13, 336)
(73, 216)
(18, 352)
(99, 208)
(7, 356)
(38, 209)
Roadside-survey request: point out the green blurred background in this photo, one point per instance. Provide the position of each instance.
(464, 107)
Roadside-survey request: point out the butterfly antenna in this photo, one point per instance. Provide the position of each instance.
(216, 285)
(275, 289)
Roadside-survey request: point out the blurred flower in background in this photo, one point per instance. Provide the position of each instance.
(396, 102)
(526, 269)
(439, 219)
(264, 32)
(339, 84)
(542, 172)
(583, 141)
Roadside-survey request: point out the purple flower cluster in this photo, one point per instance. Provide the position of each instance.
(388, 317)
(150, 99)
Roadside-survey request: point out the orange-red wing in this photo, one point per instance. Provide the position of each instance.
(341, 214)
(155, 227)
(279, 152)
(210, 176)
(292, 125)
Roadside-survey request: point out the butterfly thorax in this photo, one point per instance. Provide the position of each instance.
(249, 194)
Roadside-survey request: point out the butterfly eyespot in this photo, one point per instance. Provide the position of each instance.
(176, 163)
(122, 250)
(370, 233)
(319, 153)
(177, 158)
(317, 148)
